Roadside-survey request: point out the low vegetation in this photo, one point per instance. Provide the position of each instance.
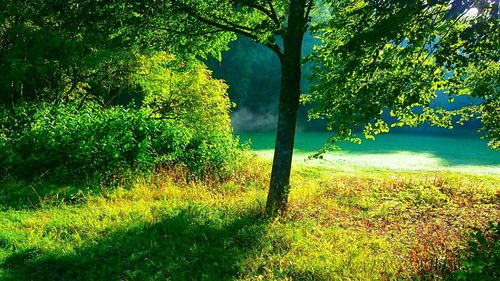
(54, 141)
(367, 225)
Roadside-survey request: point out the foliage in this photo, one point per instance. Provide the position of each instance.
(172, 112)
(42, 60)
(60, 140)
(381, 58)
(341, 224)
(404, 52)
(137, 24)
(99, 66)
(377, 57)
(55, 141)
(187, 93)
(484, 260)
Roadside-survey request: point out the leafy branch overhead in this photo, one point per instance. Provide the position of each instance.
(375, 58)
(382, 63)
(187, 26)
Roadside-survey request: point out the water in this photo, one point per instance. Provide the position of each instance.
(465, 153)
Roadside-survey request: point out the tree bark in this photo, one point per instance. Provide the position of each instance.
(288, 108)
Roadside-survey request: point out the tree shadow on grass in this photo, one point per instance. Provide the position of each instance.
(24, 194)
(189, 245)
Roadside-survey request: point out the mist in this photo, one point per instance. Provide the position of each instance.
(243, 119)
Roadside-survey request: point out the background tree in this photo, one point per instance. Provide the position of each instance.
(43, 59)
(72, 98)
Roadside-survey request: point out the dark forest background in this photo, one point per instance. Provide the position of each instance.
(252, 72)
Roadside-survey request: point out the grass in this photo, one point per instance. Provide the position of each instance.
(396, 151)
(368, 225)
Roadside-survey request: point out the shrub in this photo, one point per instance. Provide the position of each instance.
(182, 117)
(484, 260)
(70, 142)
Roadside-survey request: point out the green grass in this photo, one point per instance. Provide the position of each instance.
(340, 225)
(462, 152)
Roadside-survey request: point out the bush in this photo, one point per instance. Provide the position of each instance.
(68, 142)
(484, 260)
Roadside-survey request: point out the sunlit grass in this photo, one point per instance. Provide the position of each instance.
(462, 153)
(342, 225)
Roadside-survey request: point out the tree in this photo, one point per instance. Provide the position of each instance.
(41, 59)
(400, 57)
(278, 25)
(360, 37)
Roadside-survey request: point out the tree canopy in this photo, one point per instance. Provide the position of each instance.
(380, 57)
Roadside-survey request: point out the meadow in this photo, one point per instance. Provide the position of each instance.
(445, 150)
(345, 221)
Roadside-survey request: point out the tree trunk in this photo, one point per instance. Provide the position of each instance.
(288, 108)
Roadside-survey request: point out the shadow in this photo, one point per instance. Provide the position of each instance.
(26, 194)
(190, 245)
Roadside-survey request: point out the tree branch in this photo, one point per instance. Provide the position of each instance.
(269, 13)
(310, 4)
(273, 46)
(273, 11)
(186, 33)
(442, 37)
(227, 25)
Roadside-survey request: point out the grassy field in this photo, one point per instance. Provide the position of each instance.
(463, 153)
(344, 222)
